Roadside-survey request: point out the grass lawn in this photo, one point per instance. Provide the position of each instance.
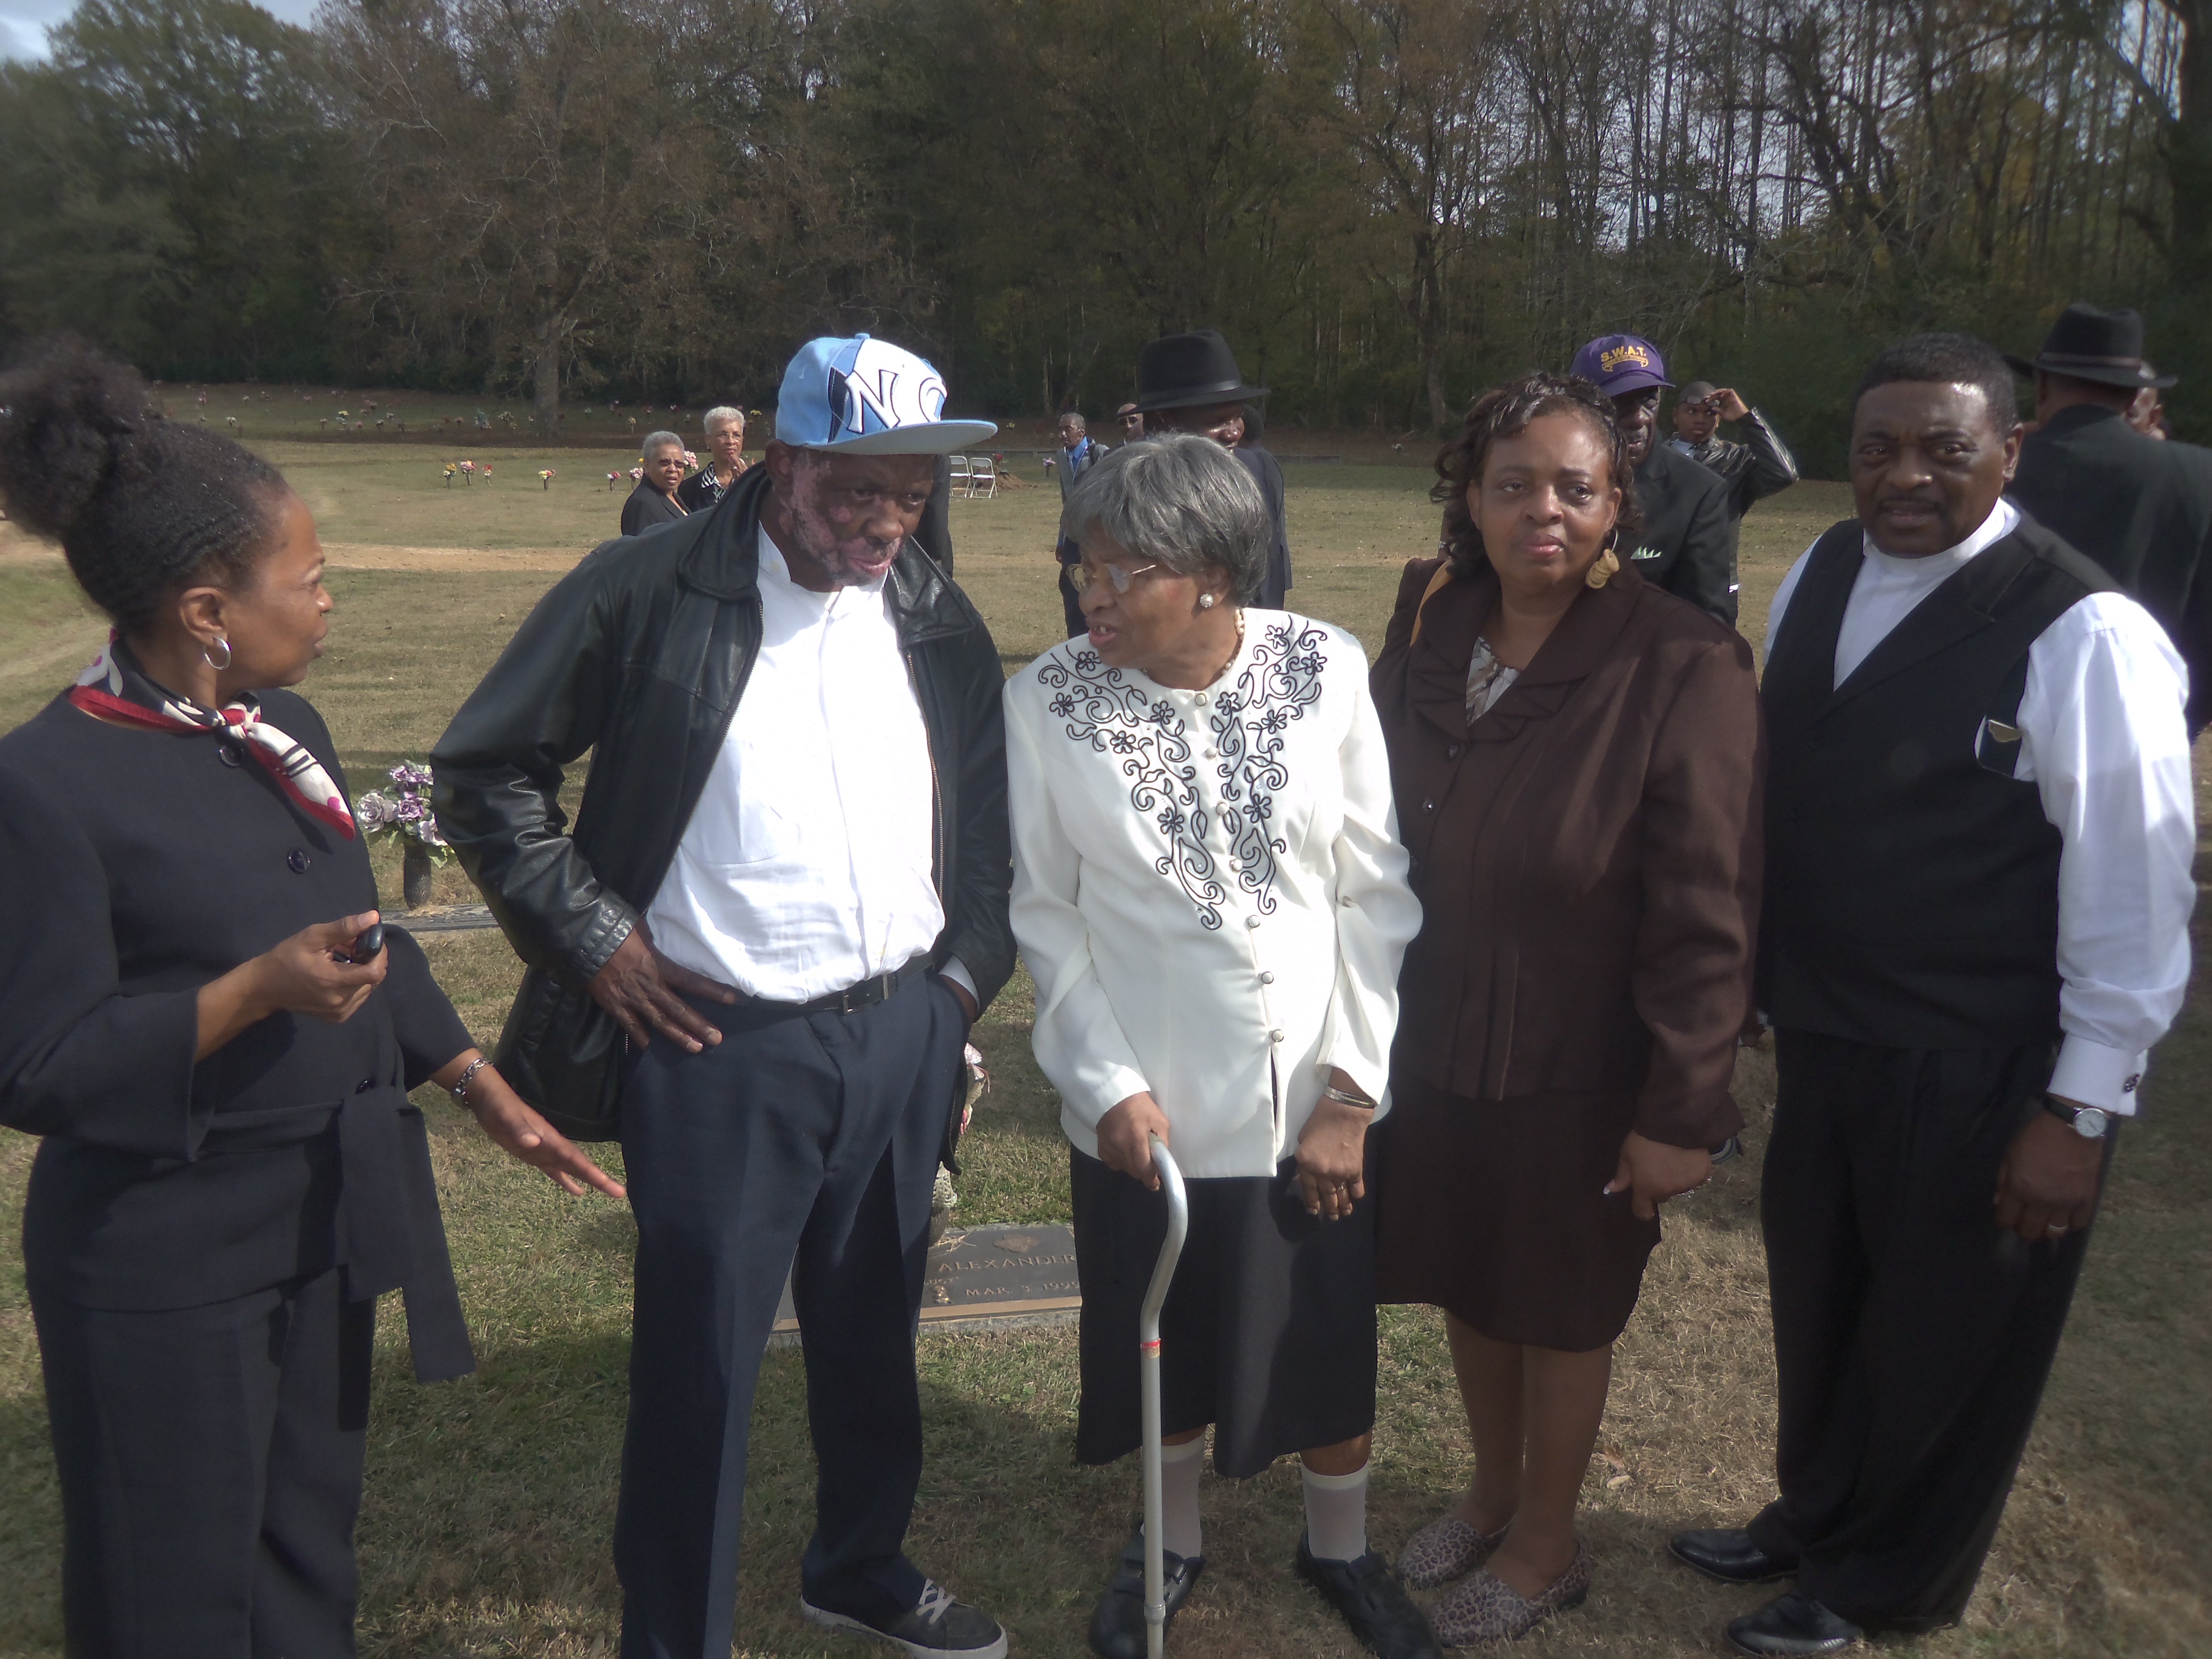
(489, 1500)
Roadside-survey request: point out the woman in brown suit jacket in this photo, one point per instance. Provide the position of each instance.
(1577, 759)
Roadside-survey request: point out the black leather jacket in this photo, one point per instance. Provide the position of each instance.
(640, 654)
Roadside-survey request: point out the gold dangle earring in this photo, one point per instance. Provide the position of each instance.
(1609, 563)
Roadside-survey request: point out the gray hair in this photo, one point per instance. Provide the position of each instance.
(1181, 501)
(721, 412)
(654, 440)
(1076, 416)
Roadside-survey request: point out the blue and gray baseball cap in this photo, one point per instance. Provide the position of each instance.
(1618, 364)
(867, 397)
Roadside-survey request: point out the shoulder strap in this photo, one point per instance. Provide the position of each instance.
(1437, 584)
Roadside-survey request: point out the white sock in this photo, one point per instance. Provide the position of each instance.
(1336, 1515)
(1179, 1467)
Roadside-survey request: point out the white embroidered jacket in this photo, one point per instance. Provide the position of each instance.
(1209, 889)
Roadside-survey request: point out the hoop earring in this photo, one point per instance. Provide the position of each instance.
(1609, 563)
(226, 654)
(1206, 602)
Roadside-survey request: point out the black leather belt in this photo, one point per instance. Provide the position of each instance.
(854, 998)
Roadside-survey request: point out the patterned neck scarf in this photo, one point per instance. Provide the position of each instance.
(116, 688)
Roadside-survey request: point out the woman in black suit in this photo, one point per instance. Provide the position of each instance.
(192, 1016)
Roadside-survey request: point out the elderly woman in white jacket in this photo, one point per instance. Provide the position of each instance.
(1210, 894)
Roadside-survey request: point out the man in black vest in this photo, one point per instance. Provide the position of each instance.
(1688, 545)
(1979, 833)
(2140, 508)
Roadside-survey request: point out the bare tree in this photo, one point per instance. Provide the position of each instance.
(531, 170)
(1418, 100)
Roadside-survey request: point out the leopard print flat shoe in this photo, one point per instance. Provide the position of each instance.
(1485, 1608)
(1444, 1550)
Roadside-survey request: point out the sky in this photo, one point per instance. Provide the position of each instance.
(24, 23)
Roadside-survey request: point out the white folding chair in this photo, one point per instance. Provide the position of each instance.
(983, 475)
(961, 481)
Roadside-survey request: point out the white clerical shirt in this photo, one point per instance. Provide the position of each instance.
(2103, 739)
(806, 866)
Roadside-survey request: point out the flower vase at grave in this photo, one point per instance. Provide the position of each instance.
(416, 869)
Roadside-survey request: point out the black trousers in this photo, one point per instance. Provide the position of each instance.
(1077, 625)
(801, 1143)
(1912, 1335)
(211, 1465)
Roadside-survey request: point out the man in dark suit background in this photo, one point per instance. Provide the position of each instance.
(2140, 508)
(1688, 546)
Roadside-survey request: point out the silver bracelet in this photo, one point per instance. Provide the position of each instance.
(460, 1089)
(1332, 1092)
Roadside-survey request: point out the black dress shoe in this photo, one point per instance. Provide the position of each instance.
(1117, 1628)
(1793, 1626)
(1730, 1556)
(1373, 1602)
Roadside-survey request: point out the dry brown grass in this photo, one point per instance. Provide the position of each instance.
(489, 1500)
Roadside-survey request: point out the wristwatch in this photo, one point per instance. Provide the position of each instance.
(2090, 1122)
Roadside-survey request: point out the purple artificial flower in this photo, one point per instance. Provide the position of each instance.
(373, 812)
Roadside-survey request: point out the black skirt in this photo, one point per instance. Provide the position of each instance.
(1268, 1333)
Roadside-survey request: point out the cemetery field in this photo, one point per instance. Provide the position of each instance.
(489, 1500)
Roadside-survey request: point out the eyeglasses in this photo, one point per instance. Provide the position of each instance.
(1120, 578)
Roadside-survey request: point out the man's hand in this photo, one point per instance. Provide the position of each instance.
(1332, 1153)
(2047, 1184)
(1651, 1172)
(639, 987)
(1124, 1138)
(1727, 404)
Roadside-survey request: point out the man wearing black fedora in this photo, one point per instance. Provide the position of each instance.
(1191, 383)
(2140, 508)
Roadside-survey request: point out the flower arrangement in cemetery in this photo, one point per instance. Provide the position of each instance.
(486, 470)
(690, 461)
(613, 480)
(468, 472)
(452, 467)
(636, 473)
(545, 478)
(403, 812)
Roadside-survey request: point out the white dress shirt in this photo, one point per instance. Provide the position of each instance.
(806, 866)
(2103, 739)
(1209, 889)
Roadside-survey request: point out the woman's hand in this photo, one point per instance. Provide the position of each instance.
(518, 1129)
(307, 974)
(1651, 1172)
(1124, 1138)
(1332, 1152)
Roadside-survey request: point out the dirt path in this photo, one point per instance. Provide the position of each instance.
(20, 551)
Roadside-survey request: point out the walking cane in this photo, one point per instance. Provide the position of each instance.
(1148, 1366)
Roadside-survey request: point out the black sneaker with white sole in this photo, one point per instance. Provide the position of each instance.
(936, 1627)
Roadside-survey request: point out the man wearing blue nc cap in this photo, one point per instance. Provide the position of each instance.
(1689, 540)
(755, 959)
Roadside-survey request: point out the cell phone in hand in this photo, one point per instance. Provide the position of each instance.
(366, 944)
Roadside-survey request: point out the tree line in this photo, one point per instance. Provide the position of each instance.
(1384, 204)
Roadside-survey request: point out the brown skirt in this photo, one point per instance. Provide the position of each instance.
(1496, 1212)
